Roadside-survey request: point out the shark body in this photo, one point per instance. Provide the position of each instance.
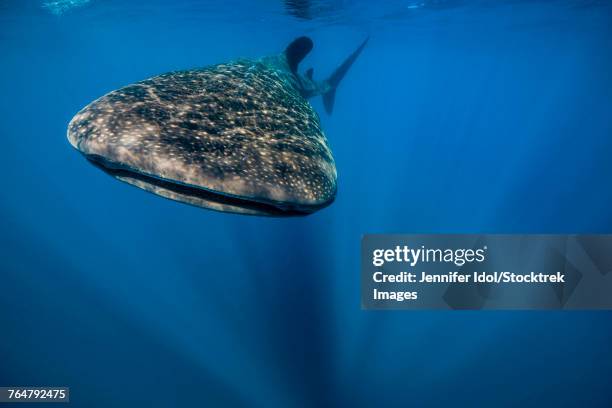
(237, 137)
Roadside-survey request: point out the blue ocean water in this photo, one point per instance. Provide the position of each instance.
(459, 116)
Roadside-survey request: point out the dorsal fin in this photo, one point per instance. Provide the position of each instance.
(309, 73)
(296, 51)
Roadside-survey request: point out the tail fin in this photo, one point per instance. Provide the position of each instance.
(330, 96)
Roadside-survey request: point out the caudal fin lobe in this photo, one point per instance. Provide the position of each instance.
(330, 96)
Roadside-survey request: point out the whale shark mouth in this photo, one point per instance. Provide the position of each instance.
(199, 196)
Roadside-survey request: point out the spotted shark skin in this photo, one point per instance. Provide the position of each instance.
(237, 137)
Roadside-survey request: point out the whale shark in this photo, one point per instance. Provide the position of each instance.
(237, 137)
